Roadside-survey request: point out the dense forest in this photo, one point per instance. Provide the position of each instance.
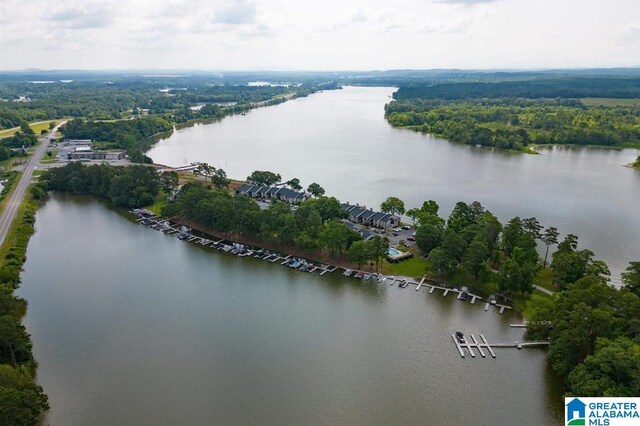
(515, 123)
(123, 134)
(594, 328)
(514, 114)
(111, 100)
(132, 186)
(559, 87)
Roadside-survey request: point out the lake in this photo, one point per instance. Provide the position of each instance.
(341, 140)
(131, 326)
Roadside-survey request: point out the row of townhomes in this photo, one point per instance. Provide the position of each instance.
(283, 194)
(364, 216)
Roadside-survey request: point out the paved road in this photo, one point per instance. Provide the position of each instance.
(11, 209)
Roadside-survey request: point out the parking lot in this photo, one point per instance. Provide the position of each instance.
(394, 236)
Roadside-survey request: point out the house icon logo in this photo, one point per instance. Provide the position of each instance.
(576, 412)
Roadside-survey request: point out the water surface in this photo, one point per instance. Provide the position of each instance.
(134, 327)
(341, 140)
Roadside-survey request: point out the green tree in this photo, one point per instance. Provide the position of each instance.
(454, 245)
(393, 205)
(359, 253)
(413, 214)
(294, 184)
(549, 237)
(328, 207)
(430, 207)
(169, 182)
(337, 237)
(219, 179)
(379, 249)
(25, 128)
(533, 227)
(21, 400)
(204, 169)
(263, 178)
(430, 233)
(475, 259)
(631, 278)
(570, 264)
(15, 346)
(442, 263)
(464, 215)
(611, 371)
(515, 274)
(316, 190)
(511, 234)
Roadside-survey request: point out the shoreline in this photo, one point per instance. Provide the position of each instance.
(529, 149)
(327, 264)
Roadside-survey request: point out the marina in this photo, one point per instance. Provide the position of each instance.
(462, 344)
(147, 218)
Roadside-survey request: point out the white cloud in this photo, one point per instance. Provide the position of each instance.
(320, 34)
(235, 13)
(82, 17)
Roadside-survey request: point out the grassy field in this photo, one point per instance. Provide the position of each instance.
(414, 267)
(545, 279)
(610, 102)
(524, 304)
(160, 201)
(37, 127)
(50, 159)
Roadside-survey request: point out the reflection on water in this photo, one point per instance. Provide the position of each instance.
(131, 326)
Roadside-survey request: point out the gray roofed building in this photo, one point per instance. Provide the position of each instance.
(283, 194)
(364, 216)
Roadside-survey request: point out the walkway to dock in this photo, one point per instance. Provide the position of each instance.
(469, 346)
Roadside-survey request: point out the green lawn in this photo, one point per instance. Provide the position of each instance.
(610, 101)
(545, 279)
(524, 304)
(160, 201)
(48, 160)
(37, 127)
(414, 267)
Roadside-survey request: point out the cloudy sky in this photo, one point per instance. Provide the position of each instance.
(318, 35)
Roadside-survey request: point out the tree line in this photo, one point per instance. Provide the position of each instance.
(133, 186)
(532, 88)
(472, 243)
(21, 399)
(510, 123)
(121, 98)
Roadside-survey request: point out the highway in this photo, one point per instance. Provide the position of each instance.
(11, 209)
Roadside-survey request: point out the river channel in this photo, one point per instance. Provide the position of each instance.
(341, 140)
(131, 326)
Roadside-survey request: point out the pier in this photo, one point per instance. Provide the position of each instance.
(148, 218)
(467, 346)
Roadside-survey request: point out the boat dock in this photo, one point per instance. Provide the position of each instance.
(147, 218)
(465, 346)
